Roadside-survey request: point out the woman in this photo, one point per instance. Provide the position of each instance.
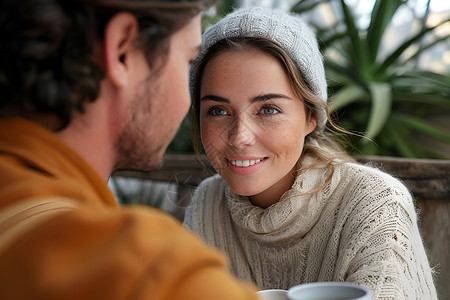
(288, 206)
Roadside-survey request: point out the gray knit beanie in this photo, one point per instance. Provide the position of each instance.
(285, 29)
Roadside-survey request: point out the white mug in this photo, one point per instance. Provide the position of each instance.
(329, 291)
(273, 294)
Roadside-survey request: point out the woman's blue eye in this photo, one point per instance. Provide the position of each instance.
(269, 110)
(217, 111)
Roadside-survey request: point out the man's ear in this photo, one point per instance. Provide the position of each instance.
(119, 43)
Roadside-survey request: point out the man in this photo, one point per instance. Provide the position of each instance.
(88, 87)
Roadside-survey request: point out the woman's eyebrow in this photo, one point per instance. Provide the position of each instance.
(260, 98)
(269, 96)
(214, 98)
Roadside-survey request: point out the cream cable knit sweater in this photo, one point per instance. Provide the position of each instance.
(361, 228)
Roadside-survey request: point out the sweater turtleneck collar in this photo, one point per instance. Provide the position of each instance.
(293, 216)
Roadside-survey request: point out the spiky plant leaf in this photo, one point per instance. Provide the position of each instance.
(381, 107)
(345, 96)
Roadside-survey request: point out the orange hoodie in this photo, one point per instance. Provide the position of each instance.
(63, 235)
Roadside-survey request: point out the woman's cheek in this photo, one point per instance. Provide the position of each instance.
(213, 145)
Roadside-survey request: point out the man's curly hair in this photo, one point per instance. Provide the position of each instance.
(46, 63)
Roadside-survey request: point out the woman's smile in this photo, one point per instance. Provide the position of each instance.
(246, 166)
(245, 163)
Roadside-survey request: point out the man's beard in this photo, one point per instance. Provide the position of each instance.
(134, 147)
(136, 152)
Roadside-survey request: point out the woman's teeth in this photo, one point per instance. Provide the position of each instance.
(244, 163)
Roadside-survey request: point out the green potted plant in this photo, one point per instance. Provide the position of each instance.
(385, 96)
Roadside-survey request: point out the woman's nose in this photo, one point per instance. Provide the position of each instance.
(242, 133)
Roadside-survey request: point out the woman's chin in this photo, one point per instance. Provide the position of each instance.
(243, 191)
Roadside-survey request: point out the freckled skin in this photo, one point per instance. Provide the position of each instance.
(248, 111)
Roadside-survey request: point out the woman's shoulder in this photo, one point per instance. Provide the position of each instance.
(214, 181)
(374, 173)
(207, 196)
(210, 187)
(374, 184)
